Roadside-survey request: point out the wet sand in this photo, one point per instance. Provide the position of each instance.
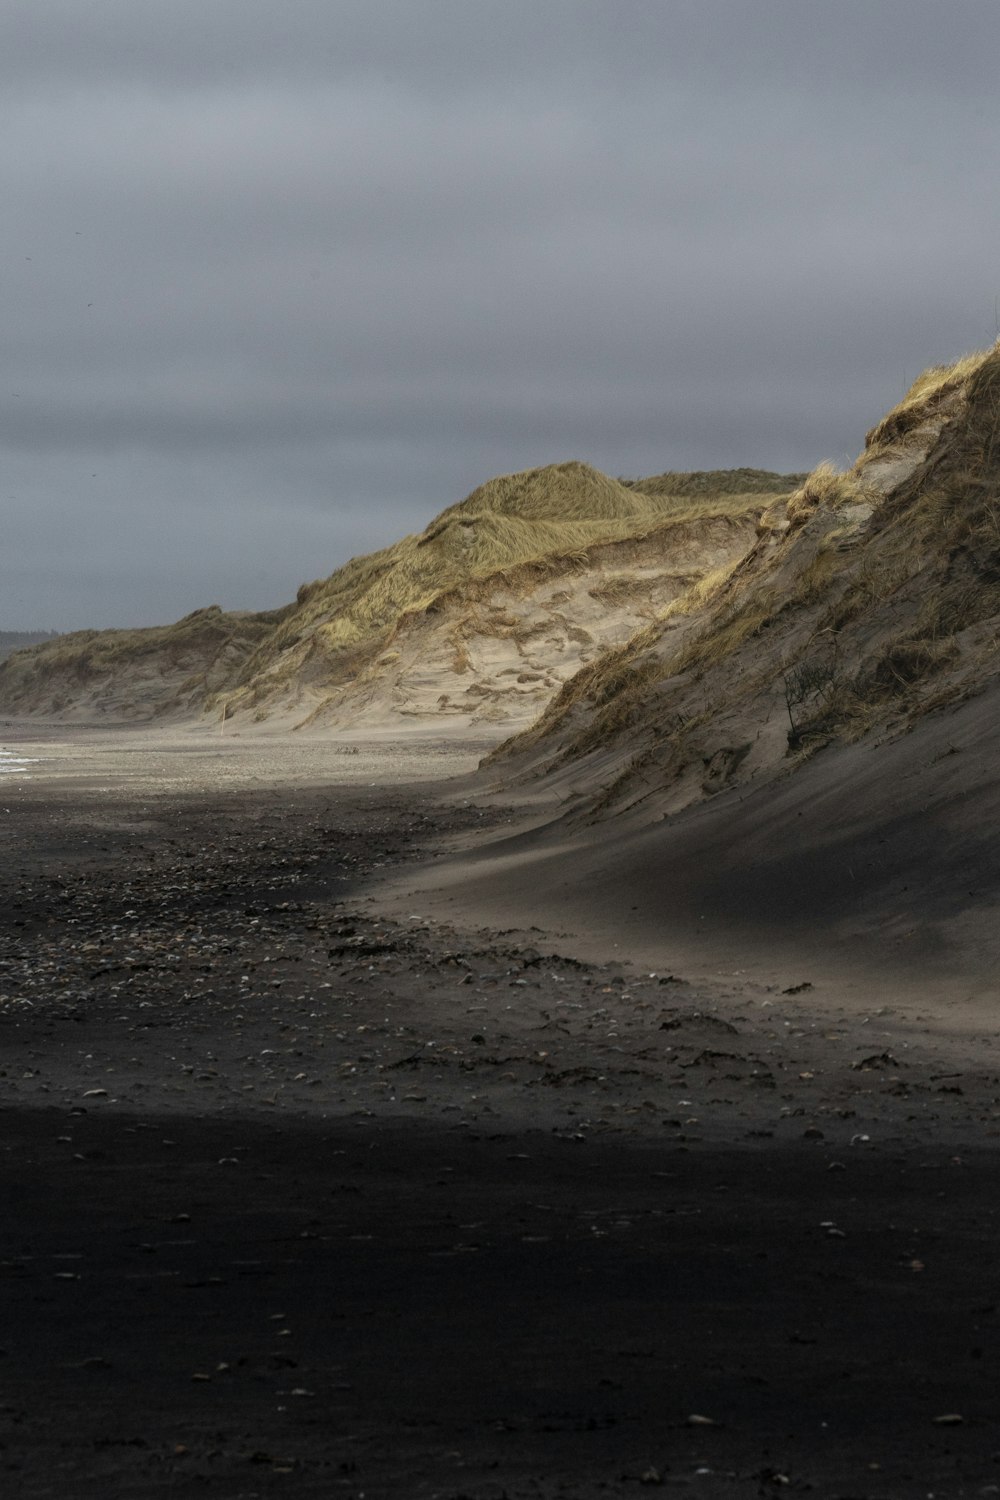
(307, 1194)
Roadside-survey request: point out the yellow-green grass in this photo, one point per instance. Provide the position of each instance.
(98, 652)
(924, 397)
(711, 483)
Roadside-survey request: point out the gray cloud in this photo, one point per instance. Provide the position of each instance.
(278, 283)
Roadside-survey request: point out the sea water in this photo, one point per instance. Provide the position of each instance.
(15, 765)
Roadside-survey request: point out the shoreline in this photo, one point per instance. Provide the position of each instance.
(191, 758)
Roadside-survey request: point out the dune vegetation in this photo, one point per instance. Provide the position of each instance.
(131, 673)
(18, 640)
(870, 599)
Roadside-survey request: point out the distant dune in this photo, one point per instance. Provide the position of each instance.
(131, 676)
(17, 640)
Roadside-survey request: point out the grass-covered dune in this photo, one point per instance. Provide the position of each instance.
(18, 640)
(131, 674)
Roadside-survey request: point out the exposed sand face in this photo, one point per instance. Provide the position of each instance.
(498, 660)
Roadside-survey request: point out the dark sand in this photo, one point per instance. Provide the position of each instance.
(305, 1194)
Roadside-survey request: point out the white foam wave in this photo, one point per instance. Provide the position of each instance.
(15, 765)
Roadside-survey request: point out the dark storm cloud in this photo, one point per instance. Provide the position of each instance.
(277, 283)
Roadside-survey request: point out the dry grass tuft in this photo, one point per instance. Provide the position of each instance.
(726, 633)
(924, 399)
(825, 486)
(702, 592)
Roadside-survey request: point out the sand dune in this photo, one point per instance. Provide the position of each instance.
(799, 767)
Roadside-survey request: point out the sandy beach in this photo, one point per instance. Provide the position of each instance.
(313, 1193)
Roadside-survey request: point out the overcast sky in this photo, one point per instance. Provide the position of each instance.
(281, 281)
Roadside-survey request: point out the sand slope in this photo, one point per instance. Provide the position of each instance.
(872, 869)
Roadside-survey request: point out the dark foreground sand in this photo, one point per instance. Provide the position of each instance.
(304, 1194)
